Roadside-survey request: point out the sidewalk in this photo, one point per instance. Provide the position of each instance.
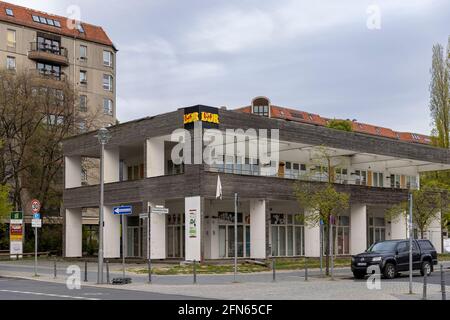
(290, 285)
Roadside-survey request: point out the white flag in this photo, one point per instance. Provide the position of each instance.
(219, 189)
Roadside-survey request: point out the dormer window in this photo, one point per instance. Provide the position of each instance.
(261, 107)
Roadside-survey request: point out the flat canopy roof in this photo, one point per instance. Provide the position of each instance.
(362, 147)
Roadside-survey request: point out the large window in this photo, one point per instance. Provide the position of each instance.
(11, 38)
(377, 230)
(342, 236)
(48, 45)
(360, 177)
(287, 235)
(377, 179)
(107, 82)
(48, 69)
(226, 235)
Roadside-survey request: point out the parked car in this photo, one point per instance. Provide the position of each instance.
(392, 257)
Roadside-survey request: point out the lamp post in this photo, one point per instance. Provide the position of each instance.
(103, 137)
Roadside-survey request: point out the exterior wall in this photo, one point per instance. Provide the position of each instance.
(399, 228)
(155, 157)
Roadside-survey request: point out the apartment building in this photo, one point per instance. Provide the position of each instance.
(376, 166)
(61, 50)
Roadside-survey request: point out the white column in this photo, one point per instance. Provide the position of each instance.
(258, 229)
(312, 239)
(399, 228)
(72, 169)
(112, 165)
(73, 233)
(158, 234)
(434, 233)
(193, 213)
(358, 228)
(155, 157)
(111, 233)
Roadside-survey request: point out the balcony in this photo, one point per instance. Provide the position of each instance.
(256, 170)
(47, 53)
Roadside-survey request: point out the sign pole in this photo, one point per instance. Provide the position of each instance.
(35, 250)
(235, 234)
(148, 248)
(123, 245)
(410, 242)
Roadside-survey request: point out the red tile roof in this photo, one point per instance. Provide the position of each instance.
(23, 16)
(314, 119)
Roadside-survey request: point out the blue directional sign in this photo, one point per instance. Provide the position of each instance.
(36, 216)
(123, 210)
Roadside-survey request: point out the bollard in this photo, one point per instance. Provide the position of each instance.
(107, 271)
(149, 271)
(306, 269)
(54, 269)
(195, 272)
(85, 272)
(444, 295)
(424, 296)
(274, 275)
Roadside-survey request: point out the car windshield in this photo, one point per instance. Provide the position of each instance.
(383, 246)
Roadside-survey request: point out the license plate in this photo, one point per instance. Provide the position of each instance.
(362, 264)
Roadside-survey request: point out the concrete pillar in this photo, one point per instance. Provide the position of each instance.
(193, 214)
(258, 229)
(312, 239)
(112, 165)
(399, 228)
(158, 233)
(434, 233)
(73, 233)
(358, 228)
(155, 157)
(72, 169)
(111, 233)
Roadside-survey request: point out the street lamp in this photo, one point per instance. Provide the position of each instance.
(103, 137)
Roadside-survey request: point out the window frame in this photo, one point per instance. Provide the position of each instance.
(83, 57)
(14, 33)
(8, 59)
(110, 107)
(85, 80)
(9, 12)
(109, 62)
(83, 107)
(110, 84)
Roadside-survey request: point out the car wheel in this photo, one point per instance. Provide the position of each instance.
(426, 268)
(359, 275)
(389, 271)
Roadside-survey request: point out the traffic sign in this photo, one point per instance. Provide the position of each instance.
(37, 216)
(123, 210)
(35, 206)
(36, 223)
(16, 215)
(143, 216)
(159, 210)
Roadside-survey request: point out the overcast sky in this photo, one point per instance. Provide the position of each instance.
(321, 58)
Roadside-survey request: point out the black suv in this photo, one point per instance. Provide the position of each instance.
(392, 257)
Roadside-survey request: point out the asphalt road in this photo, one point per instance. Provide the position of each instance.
(21, 289)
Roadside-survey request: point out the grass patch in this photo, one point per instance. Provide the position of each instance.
(444, 257)
(280, 264)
